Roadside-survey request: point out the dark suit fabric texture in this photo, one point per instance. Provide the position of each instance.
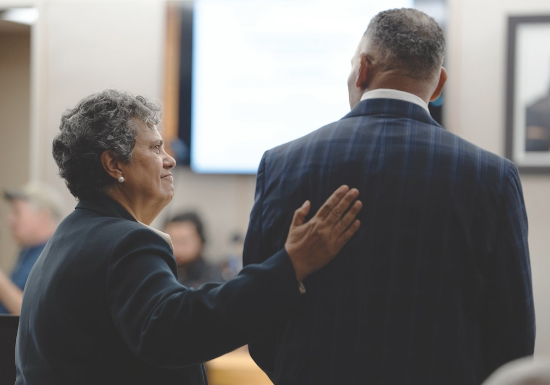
(103, 306)
(435, 288)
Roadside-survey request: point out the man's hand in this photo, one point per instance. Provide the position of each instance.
(313, 244)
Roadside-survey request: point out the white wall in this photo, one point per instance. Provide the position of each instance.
(475, 109)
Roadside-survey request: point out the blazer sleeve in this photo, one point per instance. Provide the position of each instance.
(262, 349)
(171, 326)
(509, 319)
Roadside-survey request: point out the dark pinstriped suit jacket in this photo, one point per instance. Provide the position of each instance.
(435, 288)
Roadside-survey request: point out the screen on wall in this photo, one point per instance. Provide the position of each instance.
(267, 72)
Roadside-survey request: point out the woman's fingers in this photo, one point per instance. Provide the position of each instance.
(300, 214)
(341, 207)
(331, 214)
(313, 244)
(332, 202)
(348, 225)
(345, 221)
(345, 237)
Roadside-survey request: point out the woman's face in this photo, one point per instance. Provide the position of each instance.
(186, 241)
(147, 177)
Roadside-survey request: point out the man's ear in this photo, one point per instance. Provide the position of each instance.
(110, 164)
(440, 84)
(365, 66)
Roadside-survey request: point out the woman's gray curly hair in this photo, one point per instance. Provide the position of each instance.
(100, 122)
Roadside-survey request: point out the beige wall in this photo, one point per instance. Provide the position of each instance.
(475, 109)
(84, 47)
(14, 125)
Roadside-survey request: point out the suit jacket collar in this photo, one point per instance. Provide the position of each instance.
(393, 107)
(106, 207)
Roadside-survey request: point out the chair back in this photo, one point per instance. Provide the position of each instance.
(8, 333)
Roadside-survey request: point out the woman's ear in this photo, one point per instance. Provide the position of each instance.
(110, 164)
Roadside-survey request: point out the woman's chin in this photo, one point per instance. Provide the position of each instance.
(169, 191)
(170, 196)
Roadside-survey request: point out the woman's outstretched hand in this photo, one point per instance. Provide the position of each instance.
(313, 244)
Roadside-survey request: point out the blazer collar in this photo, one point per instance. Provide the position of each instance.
(393, 107)
(110, 208)
(106, 207)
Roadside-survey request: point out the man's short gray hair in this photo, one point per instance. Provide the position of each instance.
(407, 39)
(99, 122)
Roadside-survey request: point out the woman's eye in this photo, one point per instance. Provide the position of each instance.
(157, 148)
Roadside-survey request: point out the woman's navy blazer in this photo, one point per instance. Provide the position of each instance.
(103, 306)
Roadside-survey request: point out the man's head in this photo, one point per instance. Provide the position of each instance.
(35, 212)
(401, 49)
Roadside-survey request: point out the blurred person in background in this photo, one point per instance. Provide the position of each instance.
(35, 213)
(187, 233)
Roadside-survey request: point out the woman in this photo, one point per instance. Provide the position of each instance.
(187, 234)
(103, 304)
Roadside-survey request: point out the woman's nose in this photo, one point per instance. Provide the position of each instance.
(169, 162)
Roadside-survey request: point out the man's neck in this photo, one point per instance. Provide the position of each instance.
(389, 80)
(384, 93)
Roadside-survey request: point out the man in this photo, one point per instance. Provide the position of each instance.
(35, 212)
(435, 288)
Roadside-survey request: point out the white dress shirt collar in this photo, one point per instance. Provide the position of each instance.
(384, 93)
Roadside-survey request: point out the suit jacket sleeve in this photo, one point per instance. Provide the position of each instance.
(509, 322)
(262, 349)
(171, 326)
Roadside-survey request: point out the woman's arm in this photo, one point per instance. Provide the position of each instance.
(171, 326)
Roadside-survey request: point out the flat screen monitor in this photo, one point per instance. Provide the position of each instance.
(266, 72)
